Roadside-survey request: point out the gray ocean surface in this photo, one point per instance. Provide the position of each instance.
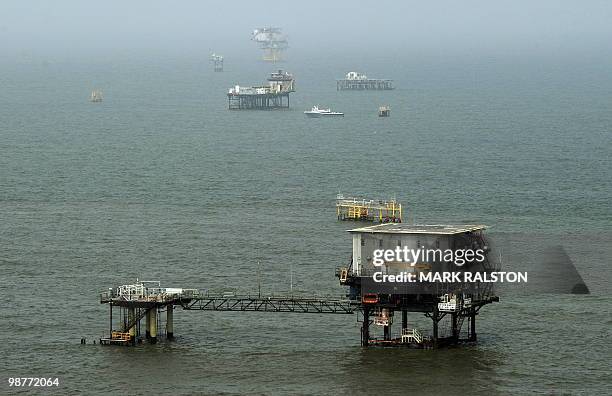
(161, 182)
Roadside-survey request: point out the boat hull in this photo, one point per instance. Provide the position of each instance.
(319, 115)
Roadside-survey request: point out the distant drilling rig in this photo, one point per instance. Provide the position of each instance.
(272, 41)
(217, 61)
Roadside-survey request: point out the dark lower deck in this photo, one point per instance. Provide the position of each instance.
(258, 101)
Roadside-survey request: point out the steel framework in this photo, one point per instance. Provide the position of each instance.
(271, 304)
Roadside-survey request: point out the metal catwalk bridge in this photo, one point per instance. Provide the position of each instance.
(271, 304)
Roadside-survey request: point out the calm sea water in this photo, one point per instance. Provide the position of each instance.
(162, 182)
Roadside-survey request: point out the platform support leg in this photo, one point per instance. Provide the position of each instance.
(153, 325)
(472, 324)
(454, 325)
(365, 329)
(434, 318)
(387, 333)
(148, 325)
(170, 321)
(132, 330)
(404, 319)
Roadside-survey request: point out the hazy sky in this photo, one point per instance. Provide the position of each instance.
(373, 26)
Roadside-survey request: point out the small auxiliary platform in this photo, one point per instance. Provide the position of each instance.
(363, 209)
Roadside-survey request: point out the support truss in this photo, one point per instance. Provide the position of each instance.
(271, 304)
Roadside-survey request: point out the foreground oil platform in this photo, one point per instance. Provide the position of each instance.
(275, 95)
(354, 81)
(217, 61)
(362, 209)
(272, 41)
(447, 304)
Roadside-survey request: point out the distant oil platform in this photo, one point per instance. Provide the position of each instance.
(384, 111)
(217, 61)
(354, 81)
(96, 96)
(275, 95)
(272, 41)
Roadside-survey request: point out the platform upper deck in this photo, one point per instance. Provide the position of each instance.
(429, 229)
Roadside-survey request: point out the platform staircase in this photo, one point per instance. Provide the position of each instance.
(134, 321)
(411, 336)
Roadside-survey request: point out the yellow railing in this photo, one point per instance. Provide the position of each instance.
(361, 210)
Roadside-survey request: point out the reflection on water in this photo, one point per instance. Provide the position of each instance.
(462, 370)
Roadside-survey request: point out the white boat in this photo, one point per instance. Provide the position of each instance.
(316, 112)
